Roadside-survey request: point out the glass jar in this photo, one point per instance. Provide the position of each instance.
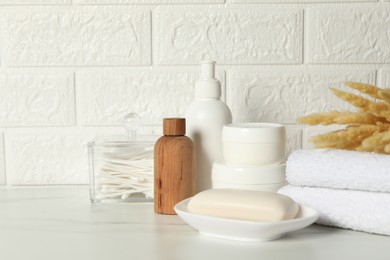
(121, 170)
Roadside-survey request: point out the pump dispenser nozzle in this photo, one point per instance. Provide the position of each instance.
(207, 70)
(207, 86)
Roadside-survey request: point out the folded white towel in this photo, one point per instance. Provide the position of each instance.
(357, 210)
(331, 168)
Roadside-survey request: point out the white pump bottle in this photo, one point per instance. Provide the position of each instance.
(205, 117)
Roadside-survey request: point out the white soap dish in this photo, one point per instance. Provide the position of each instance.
(240, 230)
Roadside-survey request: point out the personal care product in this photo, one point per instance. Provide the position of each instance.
(254, 155)
(253, 143)
(254, 177)
(243, 205)
(206, 116)
(174, 166)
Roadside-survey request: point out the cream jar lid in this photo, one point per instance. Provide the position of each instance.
(254, 133)
(259, 174)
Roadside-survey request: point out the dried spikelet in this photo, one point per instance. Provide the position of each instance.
(363, 118)
(384, 126)
(379, 139)
(364, 104)
(387, 148)
(377, 149)
(386, 114)
(364, 88)
(344, 146)
(384, 94)
(367, 130)
(325, 118)
(328, 138)
(345, 139)
(380, 149)
(341, 118)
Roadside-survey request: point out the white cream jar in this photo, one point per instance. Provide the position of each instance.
(262, 178)
(253, 143)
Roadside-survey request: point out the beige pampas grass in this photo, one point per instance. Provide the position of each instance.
(367, 130)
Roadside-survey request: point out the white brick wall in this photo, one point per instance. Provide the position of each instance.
(300, 1)
(50, 156)
(294, 138)
(284, 95)
(2, 160)
(71, 69)
(153, 94)
(159, 2)
(348, 34)
(35, 2)
(78, 36)
(37, 98)
(230, 36)
(384, 78)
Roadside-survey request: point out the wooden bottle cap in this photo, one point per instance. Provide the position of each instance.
(174, 126)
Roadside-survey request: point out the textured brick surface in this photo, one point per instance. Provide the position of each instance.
(35, 2)
(111, 2)
(297, 1)
(112, 61)
(384, 78)
(284, 95)
(349, 34)
(230, 36)
(104, 97)
(50, 156)
(294, 138)
(2, 160)
(82, 36)
(34, 98)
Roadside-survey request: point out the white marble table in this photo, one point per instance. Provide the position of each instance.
(60, 223)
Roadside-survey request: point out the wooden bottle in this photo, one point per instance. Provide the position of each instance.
(174, 166)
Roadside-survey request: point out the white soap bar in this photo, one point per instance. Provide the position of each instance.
(244, 205)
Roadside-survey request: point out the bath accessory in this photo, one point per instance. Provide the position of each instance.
(243, 205)
(174, 166)
(121, 167)
(253, 143)
(206, 116)
(261, 177)
(245, 231)
(357, 210)
(339, 169)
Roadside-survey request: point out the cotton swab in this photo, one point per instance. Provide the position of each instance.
(125, 168)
